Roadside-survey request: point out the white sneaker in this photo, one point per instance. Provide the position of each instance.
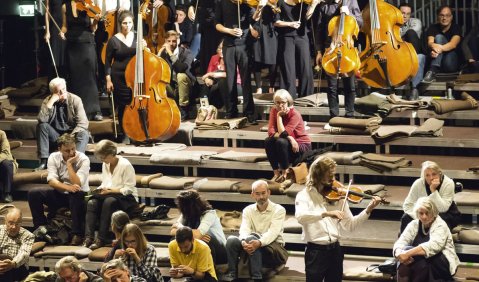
(327, 126)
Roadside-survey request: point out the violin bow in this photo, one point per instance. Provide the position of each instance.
(113, 111)
(48, 41)
(300, 11)
(239, 14)
(347, 194)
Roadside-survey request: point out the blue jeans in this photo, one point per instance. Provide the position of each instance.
(421, 58)
(195, 45)
(233, 250)
(47, 136)
(446, 61)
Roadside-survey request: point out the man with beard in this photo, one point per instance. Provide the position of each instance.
(260, 235)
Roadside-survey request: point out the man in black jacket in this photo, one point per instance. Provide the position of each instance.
(179, 59)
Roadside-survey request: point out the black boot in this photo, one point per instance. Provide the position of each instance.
(184, 113)
(43, 164)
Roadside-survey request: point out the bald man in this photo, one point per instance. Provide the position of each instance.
(15, 246)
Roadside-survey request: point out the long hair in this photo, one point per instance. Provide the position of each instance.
(192, 206)
(132, 229)
(318, 170)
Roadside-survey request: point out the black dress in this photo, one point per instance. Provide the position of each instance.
(120, 54)
(81, 60)
(56, 42)
(266, 47)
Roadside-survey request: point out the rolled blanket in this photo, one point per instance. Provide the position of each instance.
(234, 123)
(240, 156)
(36, 177)
(467, 102)
(184, 134)
(60, 251)
(431, 127)
(349, 131)
(231, 220)
(183, 158)
(465, 198)
(15, 144)
(370, 123)
(345, 158)
(172, 183)
(394, 99)
(24, 128)
(371, 189)
(216, 185)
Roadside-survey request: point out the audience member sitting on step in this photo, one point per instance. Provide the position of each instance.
(138, 255)
(15, 246)
(190, 257)
(179, 58)
(116, 271)
(197, 213)
(61, 112)
(68, 171)
(260, 235)
(439, 188)
(425, 250)
(442, 40)
(8, 166)
(119, 220)
(117, 191)
(69, 269)
(287, 138)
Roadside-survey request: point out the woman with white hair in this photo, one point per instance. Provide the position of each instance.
(69, 269)
(425, 250)
(287, 138)
(437, 187)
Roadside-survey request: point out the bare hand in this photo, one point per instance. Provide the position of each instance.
(106, 191)
(436, 48)
(47, 36)
(375, 201)
(119, 253)
(206, 238)
(132, 253)
(254, 32)
(248, 248)
(109, 86)
(238, 32)
(191, 14)
(157, 3)
(185, 270)
(72, 160)
(6, 265)
(319, 57)
(335, 214)
(175, 273)
(295, 24)
(62, 36)
(110, 274)
(405, 259)
(344, 9)
(434, 184)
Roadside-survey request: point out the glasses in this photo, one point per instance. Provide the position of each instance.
(445, 16)
(129, 242)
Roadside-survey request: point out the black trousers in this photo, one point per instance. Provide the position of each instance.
(412, 37)
(279, 152)
(237, 57)
(15, 274)
(55, 200)
(216, 92)
(435, 268)
(6, 176)
(295, 62)
(47, 136)
(324, 263)
(349, 90)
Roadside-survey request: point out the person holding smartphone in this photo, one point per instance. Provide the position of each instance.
(436, 186)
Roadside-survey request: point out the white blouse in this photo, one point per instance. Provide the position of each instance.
(123, 177)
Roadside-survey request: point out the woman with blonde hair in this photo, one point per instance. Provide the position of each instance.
(436, 186)
(138, 254)
(425, 250)
(287, 137)
(117, 191)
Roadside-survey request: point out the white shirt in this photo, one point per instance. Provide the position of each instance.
(414, 24)
(268, 223)
(123, 177)
(310, 205)
(57, 169)
(442, 198)
(110, 5)
(440, 240)
(209, 224)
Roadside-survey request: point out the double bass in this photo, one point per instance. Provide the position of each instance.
(387, 61)
(151, 115)
(156, 19)
(342, 57)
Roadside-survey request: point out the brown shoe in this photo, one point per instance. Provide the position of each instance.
(98, 244)
(76, 240)
(88, 242)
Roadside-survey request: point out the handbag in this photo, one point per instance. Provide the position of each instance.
(206, 111)
(389, 266)
(298, 173)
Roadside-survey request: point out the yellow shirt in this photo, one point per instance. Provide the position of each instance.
(199, 258)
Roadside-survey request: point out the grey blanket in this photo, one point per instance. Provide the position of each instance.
(180, 158)
(240, 156)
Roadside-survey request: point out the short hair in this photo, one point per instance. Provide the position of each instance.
(429, 165)
(105, 148)
(318, 169)
(183, 234)
(113, 264)
(54, 82)
(119, 220)
(171, 33)
(132, 229)
(404, 4)
(66, 139)
(68, 262)
(427, 204)
(191, 205)
(442, 7)
(125, 14)
(283, 94)
(258, 183)
(181, 7)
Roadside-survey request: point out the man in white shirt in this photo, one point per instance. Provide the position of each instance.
(321, 228)
(68, 171)
(260, 235)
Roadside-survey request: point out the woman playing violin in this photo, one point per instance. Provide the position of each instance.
(77, 29)
(293, 51)
(327, 11)
(321, 228)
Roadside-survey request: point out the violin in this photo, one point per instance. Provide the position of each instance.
(87, 6)
(342, 57)
(256, 4)
(336, 191)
